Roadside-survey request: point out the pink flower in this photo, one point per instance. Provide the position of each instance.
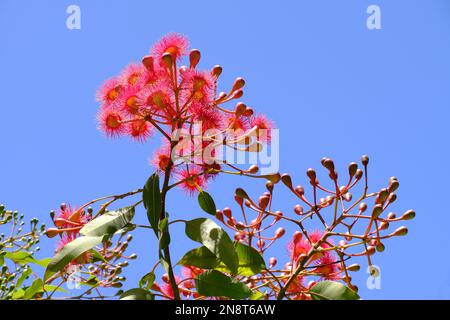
(128, 102)
(193, 180)
(166, 288)
(159, 98)
(133, 75)
(109, 92)
(328, 267)
(199, 84)
(175, 44)
(111, 122)
(161, 158)
(264, 127)
(139, 129)
(209, 117)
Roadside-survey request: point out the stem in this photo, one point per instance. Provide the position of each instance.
(165, 189)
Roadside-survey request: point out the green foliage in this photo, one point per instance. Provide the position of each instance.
(151, 196)
(332, 290)
(136, 294)
(206, 202)
(208, 233)
(213, 283)
(109, 223)
(250, 261)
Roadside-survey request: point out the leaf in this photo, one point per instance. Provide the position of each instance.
(108, 223)
(250, 261)
(70, 252)
(258, 295)
(208, 233)
(27, 271)
(332, 290)
(164, 236)
(151, 196)
(136, 294)
(213, 283)
(201, 258)
(147, 281)
(23, 257)
(206, 202)
(36, 287)
(96, 256)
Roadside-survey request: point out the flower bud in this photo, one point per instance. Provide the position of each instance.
(391, 215)
(370, 250)
(238, 84)
(377, 210)
(297, 237)
(380, 247)
(409, 215)
(272, 262)
(253, 169)
(298, 209)
(362, 207)
(227, 213)
(354, 267)
(165, 278)
(286, 179)
(216, 71)
(278, 215)
(300, 190)
(219, 215)
(147, 61)
(279, 233)
(365, 160)
(263, 202)
(352, 167)
(241, 193)
(194, 58)
(328, 163)
(393, 184)
(269, 185)
(311, 173)
(358, 174)
(402, 231)
(248, 112)
(167, 60)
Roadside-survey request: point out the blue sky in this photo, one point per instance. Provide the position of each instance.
(333, 87)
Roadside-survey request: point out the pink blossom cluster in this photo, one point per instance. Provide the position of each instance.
(174, 99)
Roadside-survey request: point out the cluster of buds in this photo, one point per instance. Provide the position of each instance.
(16, 243)
(184, 105)
(101, 266)
(350, 228)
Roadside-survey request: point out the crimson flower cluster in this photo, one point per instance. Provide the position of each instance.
(183, 104)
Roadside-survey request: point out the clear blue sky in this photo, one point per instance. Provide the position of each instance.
(334, 88)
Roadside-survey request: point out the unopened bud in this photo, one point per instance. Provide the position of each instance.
(238, 84)
(269, 185)
(328, 163)
(393, 184)
(286, 179)
(409, 215)
(377, 210)
(380, 247)
(300, 190)
(279, 233)
(402, 231)
(311, 173)
(272, 262)
(370, 250)
(352, 167)
(227, 213)
(362, 207)
(365, 160)
(194, 58)
(354, 267)
(241, 193)
(358, 174)
(165, 278)
(297, 237)
(147, 61)
(253, 169)
(298, 209)
(216, 71)
(167, 60)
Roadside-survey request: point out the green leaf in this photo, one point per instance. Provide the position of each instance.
(70, 252)
(258, 295)
(250, 260)
(147, 281)
(96, 256)
(23, 257)
(332, 290)
(200, 258)
(23, 276)
(2, 258)
(136, 294)
(108, 223)
(206, 202)
(36, 287)
(164, 236)
(208, 233)
(151, 196)
(213, 283)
